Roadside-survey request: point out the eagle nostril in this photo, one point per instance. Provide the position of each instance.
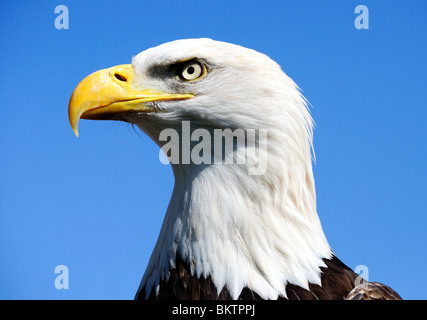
(120, 77)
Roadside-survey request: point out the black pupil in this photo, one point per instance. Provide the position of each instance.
(190, 70)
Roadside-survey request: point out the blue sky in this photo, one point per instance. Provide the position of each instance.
(96, 203)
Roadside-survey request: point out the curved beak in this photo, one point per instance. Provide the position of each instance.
(108, 93)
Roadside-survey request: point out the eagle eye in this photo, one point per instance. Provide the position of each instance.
(191, 70)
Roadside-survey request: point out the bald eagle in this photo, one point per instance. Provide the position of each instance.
(231, 230)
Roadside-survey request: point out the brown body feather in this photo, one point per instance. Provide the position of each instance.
(338, 283)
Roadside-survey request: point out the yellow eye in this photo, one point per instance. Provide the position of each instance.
(191, 70)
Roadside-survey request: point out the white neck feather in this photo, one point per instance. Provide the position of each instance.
(256, 231)
(259, 231)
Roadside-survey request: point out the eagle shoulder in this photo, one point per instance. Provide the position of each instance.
(373, 291)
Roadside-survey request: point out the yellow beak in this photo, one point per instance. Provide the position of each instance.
(107, 93)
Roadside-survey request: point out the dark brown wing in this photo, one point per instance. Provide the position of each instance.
(373, 291)
(337, 280)
(182, 285)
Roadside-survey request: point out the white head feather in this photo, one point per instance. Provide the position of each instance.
(257, 231)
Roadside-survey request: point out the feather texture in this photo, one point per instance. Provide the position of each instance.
(229, 234)
(337, 283)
